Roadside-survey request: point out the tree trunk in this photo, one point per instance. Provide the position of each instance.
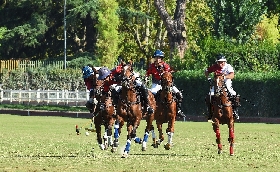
(176, 29)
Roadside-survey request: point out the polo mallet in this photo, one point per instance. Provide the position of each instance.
(210, 97)
(91, 129)
(78, 129)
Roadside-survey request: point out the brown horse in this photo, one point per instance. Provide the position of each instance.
(129, 108)
(104, 114)
(222, 112)
(166, 109)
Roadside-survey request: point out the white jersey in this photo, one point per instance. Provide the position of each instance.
(227, 69)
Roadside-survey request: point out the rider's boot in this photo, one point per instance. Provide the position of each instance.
(235, 104)
(115, 97)
(145, 96)
(179, 98)
(91, 102)
(209, 107)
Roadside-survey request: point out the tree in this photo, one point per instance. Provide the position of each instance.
(176, 28)
(3, 30)
(236, 18)
(107, 26)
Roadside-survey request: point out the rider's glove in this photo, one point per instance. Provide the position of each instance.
(209, 80)
(95, 101)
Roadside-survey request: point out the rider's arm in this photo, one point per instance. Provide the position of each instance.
(230, 75)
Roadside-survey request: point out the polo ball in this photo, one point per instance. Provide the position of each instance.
(87, 133)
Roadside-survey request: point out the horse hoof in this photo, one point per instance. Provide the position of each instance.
(144, 148)
(167, 146)
(102, 147)
(155, 145)
(114, 149)
(125, 154)
(116, 144)
(219, 151)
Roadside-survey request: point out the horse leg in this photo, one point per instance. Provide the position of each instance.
(133, 134)
(161, 137)
(145, 140)
(170, 132)
(231, 137)
(98, 135)
(109, 133)
(218, 136)
(146, 135)
(128, 141)
(116, 135)
(105, 138)
(153, 137)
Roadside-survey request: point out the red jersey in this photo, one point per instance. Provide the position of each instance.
(227, 69)
(117, 70)
(107, 84)
(89, 83)
(115, 80)
(215, 68)
(155, 72)
(116, 73)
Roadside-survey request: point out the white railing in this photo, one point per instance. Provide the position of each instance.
(44, 96)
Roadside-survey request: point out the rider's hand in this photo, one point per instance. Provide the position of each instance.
(209, 80)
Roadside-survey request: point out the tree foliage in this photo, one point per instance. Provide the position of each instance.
(236, 18)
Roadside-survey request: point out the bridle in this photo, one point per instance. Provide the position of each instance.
(220, 89)
(128, 82)
(167, 87)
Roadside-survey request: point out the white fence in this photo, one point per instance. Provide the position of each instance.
(60, 97)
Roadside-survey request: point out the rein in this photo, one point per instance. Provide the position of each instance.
(129, 83)
(167, 88)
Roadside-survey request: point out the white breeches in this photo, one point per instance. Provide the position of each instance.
(116, 87)
(156, 87)
(228, 83)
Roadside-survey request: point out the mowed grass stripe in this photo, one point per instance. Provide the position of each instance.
(33, 143)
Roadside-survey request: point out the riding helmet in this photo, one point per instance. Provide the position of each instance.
(103, 73)
(221, 58)
(158, 53)
(87, 71)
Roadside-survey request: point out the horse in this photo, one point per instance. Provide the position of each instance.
(104, 114)
(166, 109)
(222, 112)
(129, 107)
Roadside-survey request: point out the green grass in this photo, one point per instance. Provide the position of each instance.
(31, 143)
(45, 107)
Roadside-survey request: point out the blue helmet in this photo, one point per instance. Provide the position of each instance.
(103, 73)
(158, 53)
(87, 71)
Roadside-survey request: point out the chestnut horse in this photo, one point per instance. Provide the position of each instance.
(166, 109)
(129, 108)
(222, 111)
(104, 112)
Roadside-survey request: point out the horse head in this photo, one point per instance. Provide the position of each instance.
(128, 77)
(167, 81)
(220, 90)
(219, 84)
(98, 84)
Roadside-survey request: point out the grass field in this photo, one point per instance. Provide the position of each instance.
(31, 143)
